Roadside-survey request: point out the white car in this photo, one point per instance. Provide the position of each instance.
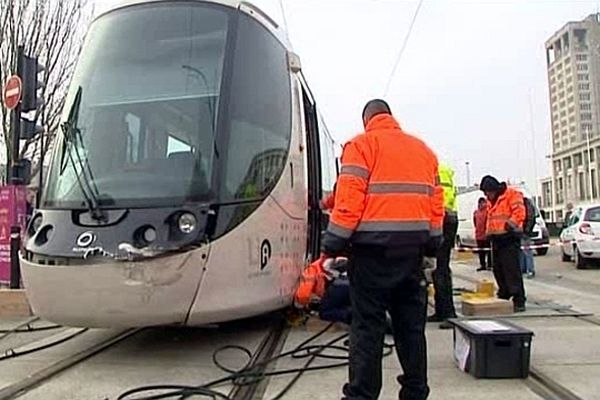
(580, 239)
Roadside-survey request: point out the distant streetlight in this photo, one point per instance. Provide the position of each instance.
(589, 157)
(467, 164)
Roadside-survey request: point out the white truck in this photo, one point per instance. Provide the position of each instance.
(467, 203)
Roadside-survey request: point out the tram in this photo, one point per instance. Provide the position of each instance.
(184, 184)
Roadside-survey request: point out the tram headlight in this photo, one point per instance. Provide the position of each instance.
(187, 223)
(149, 234)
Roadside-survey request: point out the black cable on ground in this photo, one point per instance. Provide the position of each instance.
(12, 353)
(253, 374)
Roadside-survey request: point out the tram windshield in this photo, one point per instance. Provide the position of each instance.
(144, 106)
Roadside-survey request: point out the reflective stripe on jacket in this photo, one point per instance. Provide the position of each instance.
(447, 182)
(388, 192)
(312, 283)
(507, 212)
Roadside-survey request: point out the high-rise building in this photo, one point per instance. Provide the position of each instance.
(573, 62)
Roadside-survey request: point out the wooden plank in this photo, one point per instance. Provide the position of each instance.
(14, 303)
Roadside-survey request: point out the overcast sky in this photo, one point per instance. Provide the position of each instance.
(464, 84)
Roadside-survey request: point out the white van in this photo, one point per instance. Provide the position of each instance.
(467, 203)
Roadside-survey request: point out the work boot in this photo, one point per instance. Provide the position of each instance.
(519, 307)
(446, 325)
(435, 318)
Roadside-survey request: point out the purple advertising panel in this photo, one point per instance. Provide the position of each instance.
(13, 211)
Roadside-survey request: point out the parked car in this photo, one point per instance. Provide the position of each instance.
(580, 239)
(467, 203)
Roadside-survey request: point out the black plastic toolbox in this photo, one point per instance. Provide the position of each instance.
(492, 348)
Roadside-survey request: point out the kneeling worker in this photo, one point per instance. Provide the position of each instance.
(325, 282)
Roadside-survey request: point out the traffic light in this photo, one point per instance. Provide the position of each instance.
(29, 129)
(32, 84)
(31, 70)
(22, 172)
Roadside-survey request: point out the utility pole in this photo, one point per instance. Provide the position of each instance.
(533, 149)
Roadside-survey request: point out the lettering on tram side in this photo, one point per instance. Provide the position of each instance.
(265, 254)
(261, 253)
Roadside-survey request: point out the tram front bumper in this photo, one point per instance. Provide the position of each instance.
(156, 291)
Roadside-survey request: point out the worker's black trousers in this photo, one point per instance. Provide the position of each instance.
(396, 285)
(507, 270)
(442, 276)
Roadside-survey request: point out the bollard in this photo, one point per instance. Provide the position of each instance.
(15, 245)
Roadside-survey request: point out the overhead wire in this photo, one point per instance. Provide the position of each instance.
(285, 22)
(402, 48)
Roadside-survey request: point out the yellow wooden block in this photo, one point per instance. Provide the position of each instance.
(460, 256)
(485, 288)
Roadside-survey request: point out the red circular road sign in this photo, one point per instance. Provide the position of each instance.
(11, 95)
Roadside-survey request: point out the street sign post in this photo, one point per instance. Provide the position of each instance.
(13, 90)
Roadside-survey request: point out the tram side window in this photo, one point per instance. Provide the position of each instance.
(259, 112)
(328, 168)
(175, 145)
(133, 139)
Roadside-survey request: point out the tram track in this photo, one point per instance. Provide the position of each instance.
(248, 386)
(42, 376)
(548, 388)
(271, 346)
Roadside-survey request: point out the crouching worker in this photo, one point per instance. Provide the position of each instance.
(324, 286)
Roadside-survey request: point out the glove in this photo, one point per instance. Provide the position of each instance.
(433, 245)
(333, 268)
(328, 269)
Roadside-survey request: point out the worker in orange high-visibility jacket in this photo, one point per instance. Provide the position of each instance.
(504, 229)
(312, 284)
(324, 284)
(388, 215)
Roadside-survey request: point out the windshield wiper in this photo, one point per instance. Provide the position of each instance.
(211, 102)
(73, 140)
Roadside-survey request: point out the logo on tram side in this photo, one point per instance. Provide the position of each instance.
(86, 239)
(265, 253)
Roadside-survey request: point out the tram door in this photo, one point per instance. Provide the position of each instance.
(314, 175)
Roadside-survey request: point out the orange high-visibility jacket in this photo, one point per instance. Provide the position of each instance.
(312, 282)
(388, 192)
(507, 212)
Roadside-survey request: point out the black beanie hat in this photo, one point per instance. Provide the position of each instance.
(490, 184)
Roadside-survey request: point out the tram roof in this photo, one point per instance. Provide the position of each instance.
(247, 7)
